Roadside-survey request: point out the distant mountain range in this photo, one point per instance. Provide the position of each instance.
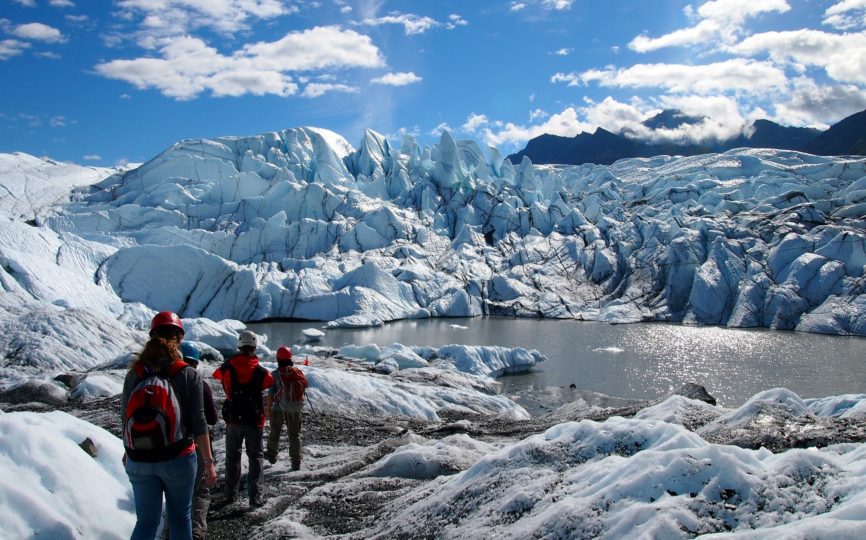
(848, 137)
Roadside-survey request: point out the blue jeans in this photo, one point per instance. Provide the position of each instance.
(174, 478)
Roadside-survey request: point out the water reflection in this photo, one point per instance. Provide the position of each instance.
(636, 361)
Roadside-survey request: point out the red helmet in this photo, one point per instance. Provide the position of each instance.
(166, 318)
(284, 353)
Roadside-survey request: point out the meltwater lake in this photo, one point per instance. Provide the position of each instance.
(631, 361)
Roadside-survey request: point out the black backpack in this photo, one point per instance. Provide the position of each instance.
(244, 405)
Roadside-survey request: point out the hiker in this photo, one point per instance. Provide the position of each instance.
(163, 425)
(201, 492)
(284, 404)
(244, 380)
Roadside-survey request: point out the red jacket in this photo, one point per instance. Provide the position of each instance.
(244, 366)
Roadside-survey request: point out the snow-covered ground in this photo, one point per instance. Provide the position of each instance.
(299, 224)
(647, 477)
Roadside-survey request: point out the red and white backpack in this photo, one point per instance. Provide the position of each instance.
(153, 420)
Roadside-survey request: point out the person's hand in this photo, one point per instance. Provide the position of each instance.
(210, 475)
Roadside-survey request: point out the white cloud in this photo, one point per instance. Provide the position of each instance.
(843, 56)
(455, 20)
(188, 66)
(441, 128)
(397, 79)
(538, 114)
(26, 3)
(474, 122)
(565, 124)
(723, 120)
(38, 32)
(719, 20)
(57, 121)
(92, 157)
(815, 105)
(740, 75)
(840, 15)
(319, 89)
(562, 52)
(412, 24)
(323, 47)
(557, 4)
(62, 3)
(517, 6)
(571, 79)
(11, 47)
(163, 18)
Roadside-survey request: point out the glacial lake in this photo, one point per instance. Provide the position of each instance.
(630, 361)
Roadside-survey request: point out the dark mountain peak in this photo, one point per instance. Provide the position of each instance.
(847, 137)
(769, 134)
(672, 119)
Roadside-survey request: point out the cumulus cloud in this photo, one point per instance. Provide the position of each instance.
(455, 20)
(188, 66)
(26, 3)
(741, 75)
(412, 24)
(842, 56)
(162, 18)
(718, 20)
(319, 89)
(474, 122)
(846, 15)
(811, 104)
(11, 47)
(62, 3)
(441, 128)
(38, 32)
(517, 6)
(397, 79)
(565, 124)
(721, 118)
(557, 4)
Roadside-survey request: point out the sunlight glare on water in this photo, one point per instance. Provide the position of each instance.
(635, 361)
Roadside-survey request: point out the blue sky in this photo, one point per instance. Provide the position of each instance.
(104, 82)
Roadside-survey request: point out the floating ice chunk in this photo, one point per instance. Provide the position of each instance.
(312, 334)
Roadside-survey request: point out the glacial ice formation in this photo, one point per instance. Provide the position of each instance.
(298, 224)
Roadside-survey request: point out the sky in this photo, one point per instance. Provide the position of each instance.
(111, 82)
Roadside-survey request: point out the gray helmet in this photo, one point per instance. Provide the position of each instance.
(247, 339)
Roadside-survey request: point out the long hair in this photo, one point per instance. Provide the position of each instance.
(156, 350)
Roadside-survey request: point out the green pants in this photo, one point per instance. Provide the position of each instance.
(293, 425)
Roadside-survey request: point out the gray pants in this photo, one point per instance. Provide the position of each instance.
(293, 425)
(200, 503)
(251, 437)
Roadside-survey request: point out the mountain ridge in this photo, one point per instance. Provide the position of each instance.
(603, 147)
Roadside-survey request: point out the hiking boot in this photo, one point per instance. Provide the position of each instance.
(296, 465)
(257, 501)
(271, 458)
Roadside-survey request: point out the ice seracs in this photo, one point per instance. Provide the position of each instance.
(298, 224)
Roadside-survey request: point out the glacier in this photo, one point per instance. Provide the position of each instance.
(298, 224)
